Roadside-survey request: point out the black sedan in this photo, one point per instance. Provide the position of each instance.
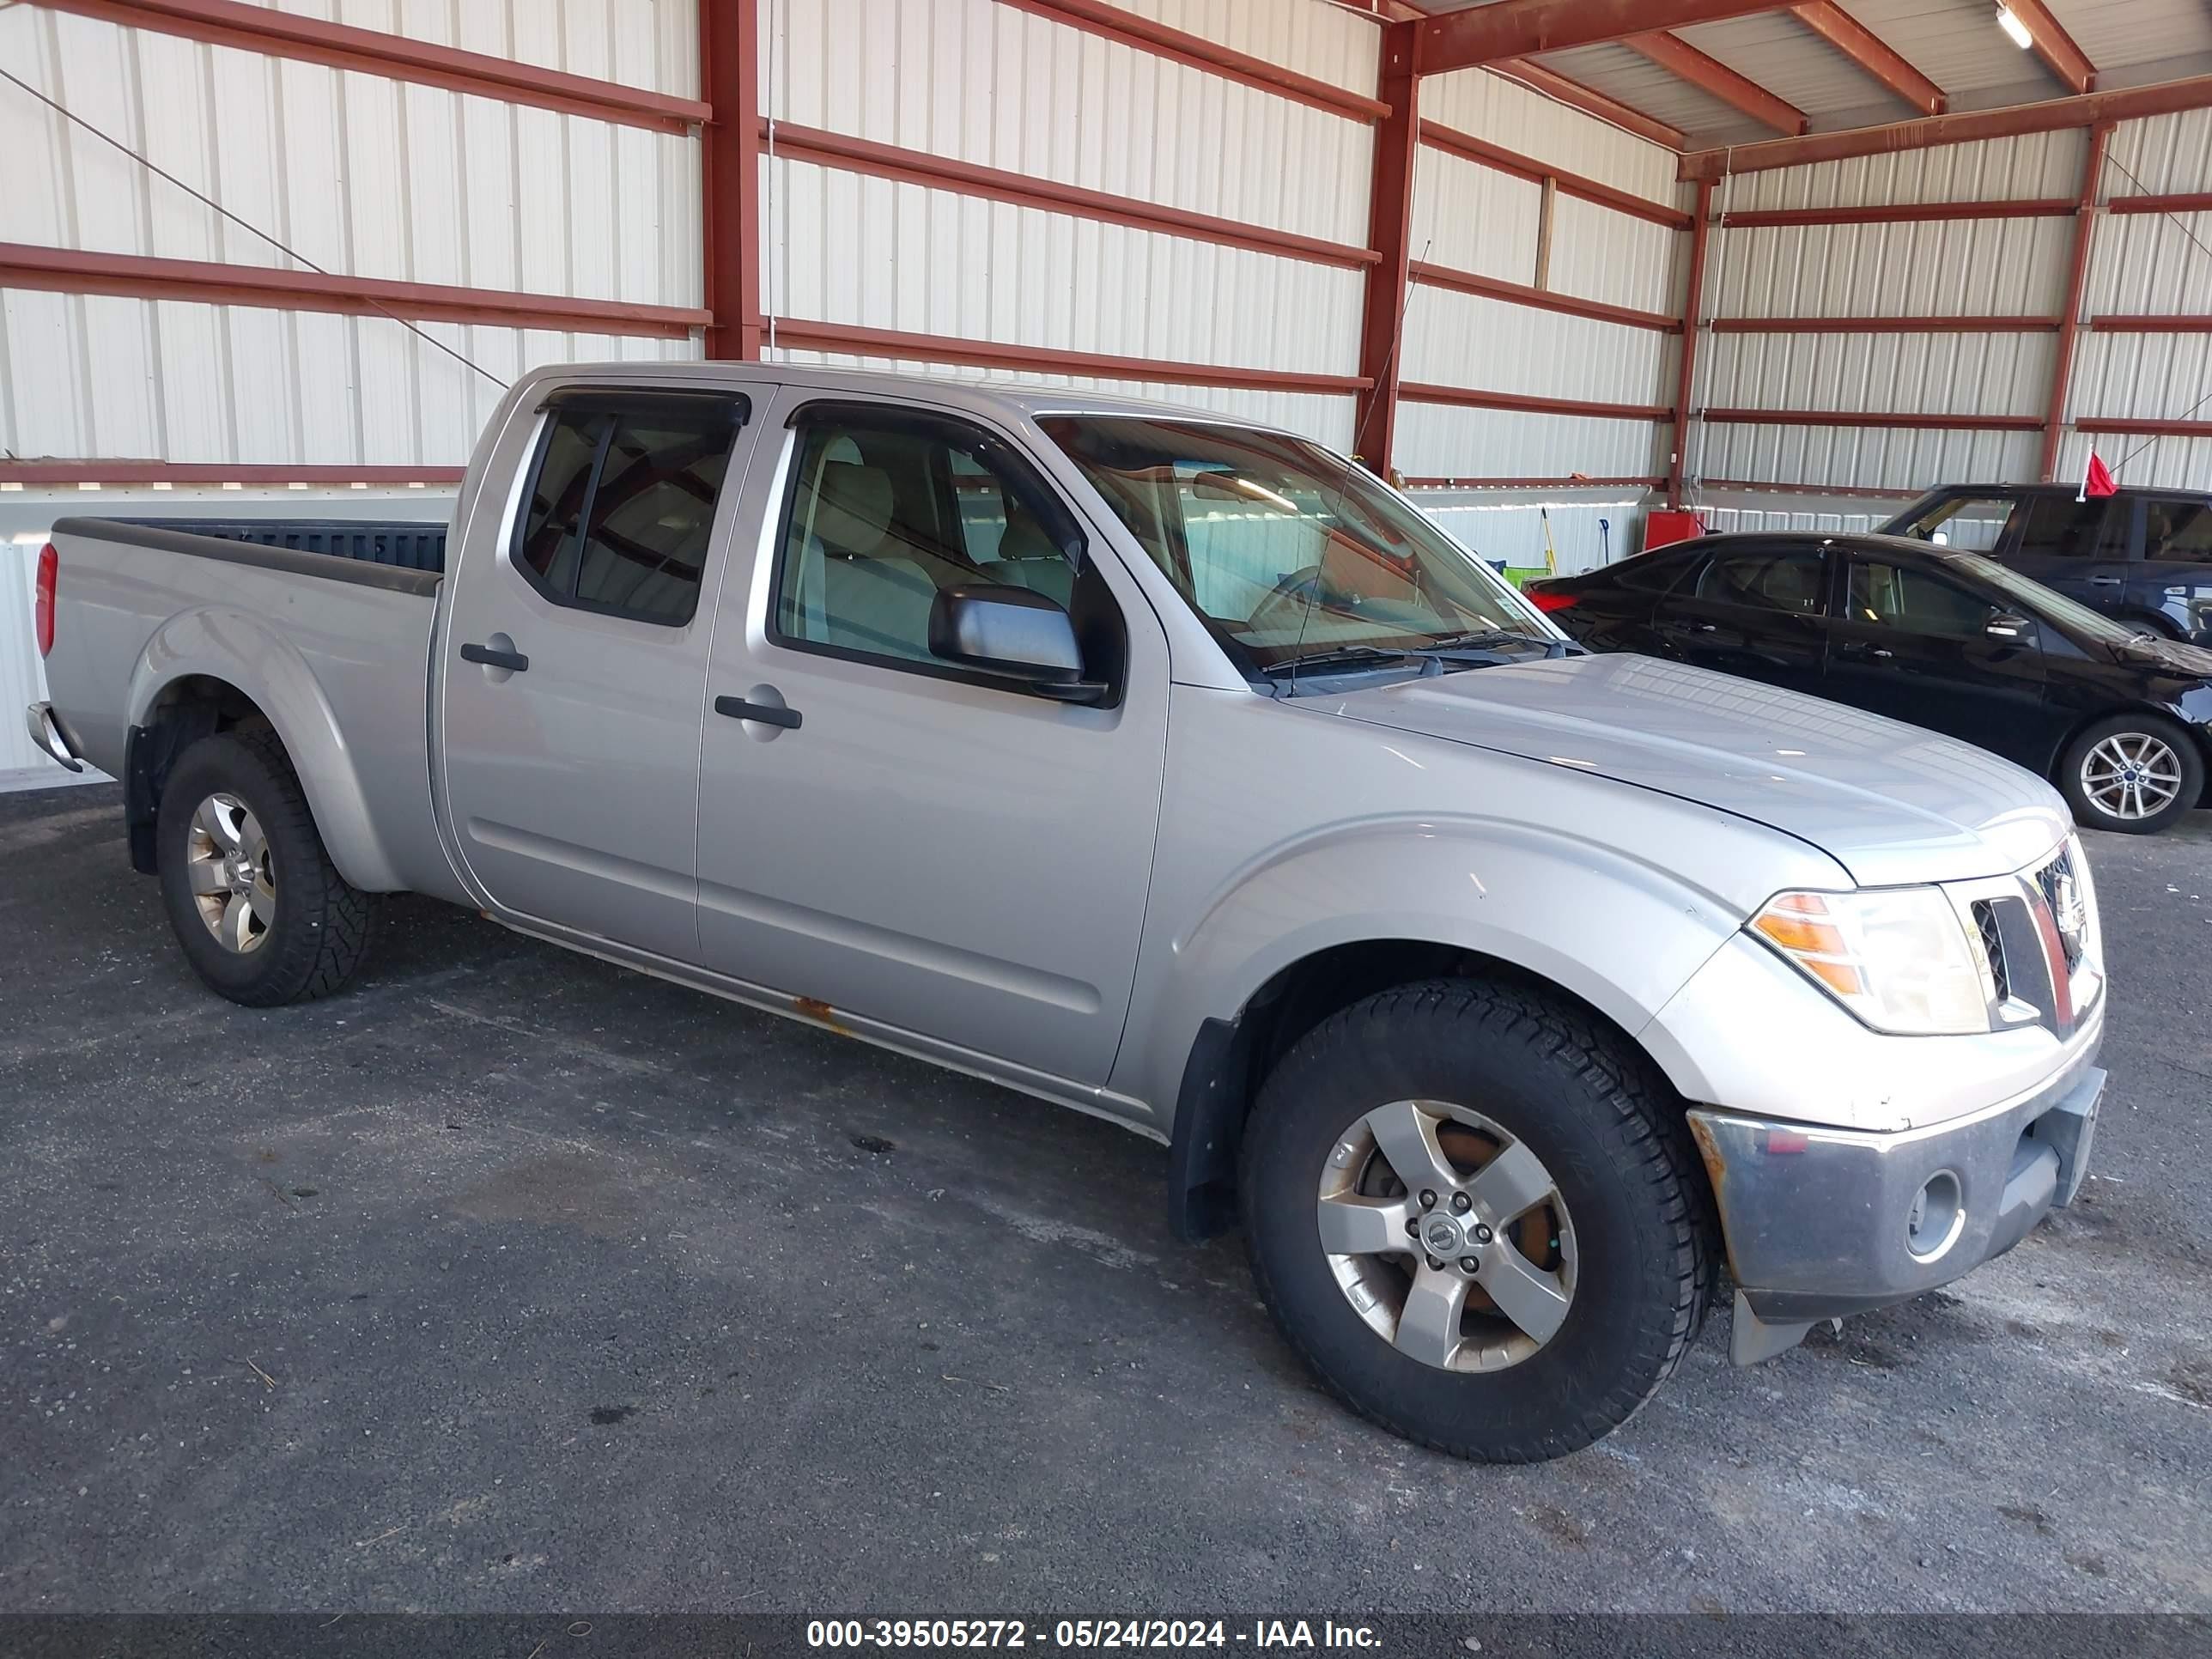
(2120, 719)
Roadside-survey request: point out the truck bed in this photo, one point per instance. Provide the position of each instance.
(406, 544)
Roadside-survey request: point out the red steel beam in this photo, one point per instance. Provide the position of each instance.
(799, 334)
(1481, 151)
(2174, 325)
(1573, 481)
(2055, 47)
(1693, 305)
(2197, 201)
(836, 149)
(68, 472)
(1900, 213)
(1839, 417)
(1589, 101)
(2069, 319)
(2148, 429)
(276, 33)
(2053, 115)
(729, 177)
(1711, 77)
(1871, 53)
(1390, 231)
(137, 277)
(1112, 23)
(1523, 28)
(1459, 397)
(1540, 299)
(1884, 325)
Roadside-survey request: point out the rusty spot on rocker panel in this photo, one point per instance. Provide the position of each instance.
(821, 1012)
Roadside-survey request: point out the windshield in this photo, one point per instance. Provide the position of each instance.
(1286, 553)
(1972, 522)
(2040, 601)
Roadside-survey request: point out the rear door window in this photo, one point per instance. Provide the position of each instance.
(620, 511)
(2059, 527)
(2177, 531)
(1914, 602)
(1789, 580)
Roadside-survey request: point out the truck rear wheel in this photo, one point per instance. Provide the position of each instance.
(1476, 1220)
(262, 913)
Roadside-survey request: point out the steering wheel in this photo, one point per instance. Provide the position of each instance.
(1308, 587)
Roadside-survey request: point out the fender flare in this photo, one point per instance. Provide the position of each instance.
(235, 648)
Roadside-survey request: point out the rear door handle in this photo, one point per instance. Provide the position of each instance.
(491, 657)
(767, 713)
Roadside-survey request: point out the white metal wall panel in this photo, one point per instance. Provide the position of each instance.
(1472, 217)
(2150, 377)
(1325, 418)
(1441, 440)
(1582, 531)
(1324, 42)
(1460, 340)
(1963, 268)
(1600, 254)
(2178, 462)
(989, 84)
(2039, 165)
(649, 44)
(1736, 520)
(1506, 113)
(1844, 458)
(1901, 374)
(843, 248)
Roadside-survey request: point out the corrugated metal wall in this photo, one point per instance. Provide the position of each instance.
(361, 175)
(981, 83)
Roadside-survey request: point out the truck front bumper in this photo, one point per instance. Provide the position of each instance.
(1822, 1222)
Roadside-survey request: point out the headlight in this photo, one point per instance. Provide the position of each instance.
(1899, 957)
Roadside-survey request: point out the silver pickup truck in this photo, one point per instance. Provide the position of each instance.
(1172, 769)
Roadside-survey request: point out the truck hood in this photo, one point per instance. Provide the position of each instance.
(1892, 804)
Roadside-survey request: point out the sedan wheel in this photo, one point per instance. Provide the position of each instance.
(2132, 775)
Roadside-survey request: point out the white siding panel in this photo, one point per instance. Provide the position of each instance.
(1324, 42)
(1325, 418)
(1844, 458)
(1581, 531)
(1460, 340)
(1966, 267)
(842, 248)
(1735, 521)
(1506, 113)
(1893, 374)
(986, 83)
(1438, 440)
(1600, 254)
(2144, 377)
(2167, 154)
(1472, 217)
(2043, 165)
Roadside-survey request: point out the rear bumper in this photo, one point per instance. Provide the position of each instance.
(45, 729)
(1821, 1223)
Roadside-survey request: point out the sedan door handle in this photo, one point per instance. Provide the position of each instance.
(2107, 581)
(492, 657)
(1859, 648)
(767, 713)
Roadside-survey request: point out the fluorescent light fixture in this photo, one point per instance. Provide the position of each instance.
(2015, 31)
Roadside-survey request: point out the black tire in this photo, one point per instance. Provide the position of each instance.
(321, 926)
(1614, 1140)
(2089, 814)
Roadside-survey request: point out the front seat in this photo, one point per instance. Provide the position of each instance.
(857, 590)
(1027, 558)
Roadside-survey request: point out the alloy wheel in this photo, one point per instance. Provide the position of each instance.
(2132, 775)
(232, 873)
(1448, 1235)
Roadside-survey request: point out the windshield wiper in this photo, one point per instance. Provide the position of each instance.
(1340, 657)
(1486, 638)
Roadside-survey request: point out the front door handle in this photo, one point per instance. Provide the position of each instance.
(767, 714)
(2107, 581)
(493, 657)
(1859, 648)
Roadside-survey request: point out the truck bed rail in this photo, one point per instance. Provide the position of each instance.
(167, 536)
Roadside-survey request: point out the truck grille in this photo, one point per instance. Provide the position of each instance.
(1985, 921)
(2057, 880)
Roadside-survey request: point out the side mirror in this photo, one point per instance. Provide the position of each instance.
(1014, 634)
(2009, 625)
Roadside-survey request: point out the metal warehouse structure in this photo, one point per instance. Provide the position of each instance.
(1528, 252)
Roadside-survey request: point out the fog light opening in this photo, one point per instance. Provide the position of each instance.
(1938, 1212)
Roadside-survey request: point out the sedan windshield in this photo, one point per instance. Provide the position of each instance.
(2042, 602)
(1290, 556)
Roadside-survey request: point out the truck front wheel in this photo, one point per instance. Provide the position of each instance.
(1475, 1218)
(262, 914)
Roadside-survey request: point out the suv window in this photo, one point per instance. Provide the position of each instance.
(621, 504)
(1914, 602)
(1788, 580)
(2177, 531)
(2058, 527)
(887, 509)
(1975, 522)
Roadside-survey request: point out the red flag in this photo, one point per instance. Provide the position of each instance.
(2097, 481)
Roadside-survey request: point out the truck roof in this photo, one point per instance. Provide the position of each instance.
(966, 390)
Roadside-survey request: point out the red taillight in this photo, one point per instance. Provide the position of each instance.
(42, 607)
(1553, 601)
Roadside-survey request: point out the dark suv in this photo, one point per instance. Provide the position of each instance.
(2143, 556)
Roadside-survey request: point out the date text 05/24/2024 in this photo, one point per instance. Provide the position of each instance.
(1170, 1633)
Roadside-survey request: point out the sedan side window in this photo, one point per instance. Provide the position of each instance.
(1913, 602)
(888, 509)
(1791, 580)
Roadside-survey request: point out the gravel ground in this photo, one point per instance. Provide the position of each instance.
(512, 1282)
